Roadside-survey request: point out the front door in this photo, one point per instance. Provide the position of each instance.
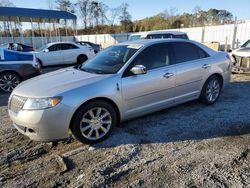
(53, 56)
(151, 91)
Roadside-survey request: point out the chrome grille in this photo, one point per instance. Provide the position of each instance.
(16, 103)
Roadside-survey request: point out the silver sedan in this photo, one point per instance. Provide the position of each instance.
(122, 82)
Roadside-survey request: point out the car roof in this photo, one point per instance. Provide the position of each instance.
(159, 32)
(67, 42)
(166, 32)
(148, 42)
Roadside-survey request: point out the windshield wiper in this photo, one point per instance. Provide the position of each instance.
(92, 71)
(86, 70)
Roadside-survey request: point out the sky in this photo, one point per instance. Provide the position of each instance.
(140, 9)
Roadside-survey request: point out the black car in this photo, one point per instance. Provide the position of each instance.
(96, 47)
(16, 67)
(17, 47)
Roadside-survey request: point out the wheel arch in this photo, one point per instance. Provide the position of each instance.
(219, 76)
(12, 71)
(110, 101)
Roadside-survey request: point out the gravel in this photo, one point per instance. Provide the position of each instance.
(190, 145)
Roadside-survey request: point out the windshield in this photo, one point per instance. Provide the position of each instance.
(5, 45)
(111, 60)
(42, 48)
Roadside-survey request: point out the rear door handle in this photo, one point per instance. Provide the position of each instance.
(168, 75)
(205, 66)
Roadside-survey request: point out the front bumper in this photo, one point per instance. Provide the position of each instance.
(43, 125)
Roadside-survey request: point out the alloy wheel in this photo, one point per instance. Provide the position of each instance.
(96, 123)
(8, 82)
(213, 90)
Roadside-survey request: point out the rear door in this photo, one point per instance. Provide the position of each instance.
(192, 66)
(155, 89)
(69, 53)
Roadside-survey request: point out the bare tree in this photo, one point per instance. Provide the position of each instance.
(51, 4)
(65, 5)
(114, 13)
(95, 11)
(103, 10)
(6, 27)
(83, 6)
(125, 17)
(168, 13)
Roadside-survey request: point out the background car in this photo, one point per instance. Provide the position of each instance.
(63, 53)
(16, 67)
(135, 36)
(241, 58)
(96, 47)
(17, 47)
(122, 82)
(158, 35)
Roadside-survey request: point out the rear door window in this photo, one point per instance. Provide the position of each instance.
(68, 46)
(184, 52)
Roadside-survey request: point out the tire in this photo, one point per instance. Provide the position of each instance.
(88, 128)
(81, 59)
(40, 63)
(8, 81)
(211, 90)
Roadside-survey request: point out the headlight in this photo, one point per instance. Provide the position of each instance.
(41, 103)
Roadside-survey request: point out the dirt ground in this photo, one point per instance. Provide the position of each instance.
(190, 145)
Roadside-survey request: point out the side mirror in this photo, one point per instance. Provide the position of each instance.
(139, 69)
(46, 50)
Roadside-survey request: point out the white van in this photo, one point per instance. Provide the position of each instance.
(158, 35)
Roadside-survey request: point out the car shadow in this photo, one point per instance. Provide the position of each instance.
(229, 116)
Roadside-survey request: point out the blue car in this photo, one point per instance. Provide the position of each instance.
(17, 47)
(16, 67)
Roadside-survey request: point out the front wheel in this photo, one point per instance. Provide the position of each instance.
(93, 122)
(8, 81)
(211, 90)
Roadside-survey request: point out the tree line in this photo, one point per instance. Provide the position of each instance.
(96, 17)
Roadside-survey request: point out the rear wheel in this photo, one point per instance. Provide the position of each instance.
(81, 59)
(211, 90)
(8, 81)
(93, 122)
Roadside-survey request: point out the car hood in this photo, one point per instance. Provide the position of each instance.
(57, 82)
(243, 52)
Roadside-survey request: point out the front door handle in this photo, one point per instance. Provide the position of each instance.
(168, 75)
(205, 66)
